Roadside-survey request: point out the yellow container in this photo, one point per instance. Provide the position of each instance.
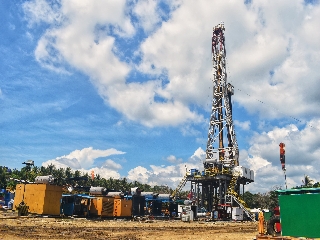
(122, 208)
(40, 198)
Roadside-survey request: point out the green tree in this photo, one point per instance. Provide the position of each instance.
(3, 177)
(316, 185)
(248, 197)
(60, 177)
(307, 181)
(68, 172)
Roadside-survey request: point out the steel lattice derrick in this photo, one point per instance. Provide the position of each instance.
(222, 147)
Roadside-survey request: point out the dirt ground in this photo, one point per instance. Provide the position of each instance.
(80, 228)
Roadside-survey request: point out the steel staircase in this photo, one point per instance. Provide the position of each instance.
(233, 196)
(242, 206)
(180, 186)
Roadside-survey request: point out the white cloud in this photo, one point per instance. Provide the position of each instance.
(167, 175)
(243, 125)
(173, 159)
(302, 149)
(85, 158)
(147, 12)
(273, 45)
(139, 174)
(63, 162)
(41, 11)
(198, 156)
(84, 41)
(273, 56)
(110, 164)
(104, 172)
(275, 60)
(144, 108)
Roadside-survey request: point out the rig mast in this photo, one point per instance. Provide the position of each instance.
(217, 187)
(226, 152)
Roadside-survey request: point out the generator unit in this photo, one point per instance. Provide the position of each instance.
(75, 205)
(40, 198)
(102, 206)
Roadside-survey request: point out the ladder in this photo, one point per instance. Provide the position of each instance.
(233, 183)
(180, 186)
(232, 195)
(241, 205)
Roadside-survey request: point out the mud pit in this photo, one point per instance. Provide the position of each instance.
(58, 228)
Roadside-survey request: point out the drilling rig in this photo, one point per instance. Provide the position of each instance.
(218, 187)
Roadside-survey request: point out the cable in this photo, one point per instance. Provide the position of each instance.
(298, 120)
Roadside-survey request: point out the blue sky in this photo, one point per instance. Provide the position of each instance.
(124, 87)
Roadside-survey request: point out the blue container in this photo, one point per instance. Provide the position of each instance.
(193, 171)
(7, 197)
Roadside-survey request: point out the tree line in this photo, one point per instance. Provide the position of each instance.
(67, 177)
(82, 181)
(269, 200)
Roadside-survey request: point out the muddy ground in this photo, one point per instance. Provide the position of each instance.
(80, 228)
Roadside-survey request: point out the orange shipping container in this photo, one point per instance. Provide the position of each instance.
(122, 208)
(40, 198)
(102, 206)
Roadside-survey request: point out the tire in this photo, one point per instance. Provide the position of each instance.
(271, 226)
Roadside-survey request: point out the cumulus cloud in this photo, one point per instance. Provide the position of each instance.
(274, 52)
(273, 56)
(104, 172)
(39, 11)
(276, 59)
(169, 175)
(83, 39)
(140, 174)
(243, 125)
(146, 11)
(263, 156)
(85, 158)
(173, 159)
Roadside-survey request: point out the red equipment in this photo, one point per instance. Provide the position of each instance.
(282, 155)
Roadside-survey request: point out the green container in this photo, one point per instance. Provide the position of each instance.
(300, 213)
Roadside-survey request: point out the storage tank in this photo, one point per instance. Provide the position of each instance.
(164, 197)
(98, 191)
(45, 179)
(114, 194)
